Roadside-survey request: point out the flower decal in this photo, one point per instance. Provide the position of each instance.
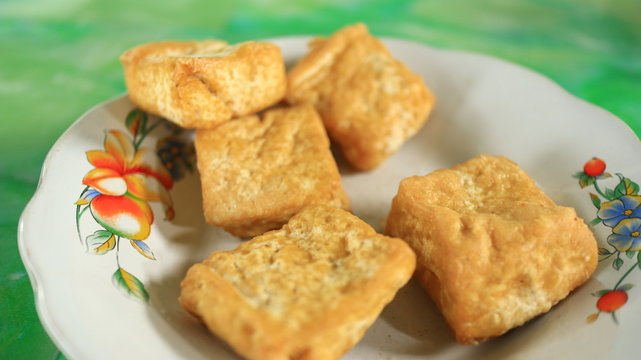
(610, 300)
(121, 168)
(620, 209)
(176, 153)
(594, 167)
(626, 235)
(125, 179)
(625, 207)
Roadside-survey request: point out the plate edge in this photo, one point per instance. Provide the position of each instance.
(34, 275)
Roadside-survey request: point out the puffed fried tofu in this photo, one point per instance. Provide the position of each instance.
(370, 102)
(493, 251)
(201, 84)
(258, 171)
(306, 291)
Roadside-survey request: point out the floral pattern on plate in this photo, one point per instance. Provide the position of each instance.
(125, 178)
(620, 210)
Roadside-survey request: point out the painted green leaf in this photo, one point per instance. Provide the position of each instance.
(578, 175)
(630, 254)
(639, 259)
(586, 180)
(617, 263)
(609, 193)
(595, 221)
(136, 121)
(130, 284)
(614, 317)
(600, 293)
(604, 176)
(101, 242)
(79, 213)
(604, 251)
(626, 187)
(595, 200)
(625, 287)
(143, 249)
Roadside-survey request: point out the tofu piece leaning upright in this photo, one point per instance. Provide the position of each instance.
(258, 171)
(307, 291)
(493, 251)
(202, 84)
(370, 102)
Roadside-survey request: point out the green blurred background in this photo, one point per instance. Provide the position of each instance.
(58, 58)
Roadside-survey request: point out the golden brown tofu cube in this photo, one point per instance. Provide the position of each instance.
(201, 84)
(258, 171)
(370, 102)
(307, 291)
(493, 251)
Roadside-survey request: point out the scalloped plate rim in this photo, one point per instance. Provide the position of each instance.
(34, 270)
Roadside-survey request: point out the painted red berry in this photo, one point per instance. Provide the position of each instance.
(612, 301)
(594, 167)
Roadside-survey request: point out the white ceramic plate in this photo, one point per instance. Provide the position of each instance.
(484, 105)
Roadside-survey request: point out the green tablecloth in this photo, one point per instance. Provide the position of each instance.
(59, 58)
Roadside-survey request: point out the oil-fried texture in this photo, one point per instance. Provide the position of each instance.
(370, 102)
(307, 291)
(201, 84)
(493, 250)
(258, 171)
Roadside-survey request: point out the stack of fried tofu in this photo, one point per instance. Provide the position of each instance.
(489, 247)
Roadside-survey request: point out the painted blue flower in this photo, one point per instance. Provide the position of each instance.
(626, 236)
(625, 207)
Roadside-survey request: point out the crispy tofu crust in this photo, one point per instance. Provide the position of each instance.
(370, 102)
(493, 251)
(307, 291)
(258, 171)
(201, 84)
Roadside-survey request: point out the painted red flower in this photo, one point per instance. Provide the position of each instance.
(610, 300)
(594, 167)
(123, 181)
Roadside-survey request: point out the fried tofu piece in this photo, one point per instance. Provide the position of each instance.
(201, 84)
(370, 102)
(258, 171)
(493, 251)
(307, 291)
